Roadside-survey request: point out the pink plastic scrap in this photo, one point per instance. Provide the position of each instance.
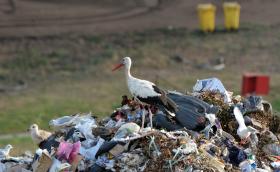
(68, 151)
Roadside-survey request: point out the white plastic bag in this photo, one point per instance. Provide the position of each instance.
(90, 153)
(212, 84)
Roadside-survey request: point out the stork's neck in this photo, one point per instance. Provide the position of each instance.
(127, 71)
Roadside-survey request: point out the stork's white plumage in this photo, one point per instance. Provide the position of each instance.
(137, 87)
(145, 91)
(243, 131)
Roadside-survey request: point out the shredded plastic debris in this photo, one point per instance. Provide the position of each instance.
(210, 132)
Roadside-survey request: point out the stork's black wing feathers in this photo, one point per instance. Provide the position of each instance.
(166, 101)
(158, 90)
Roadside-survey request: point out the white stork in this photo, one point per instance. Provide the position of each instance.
(146, 91)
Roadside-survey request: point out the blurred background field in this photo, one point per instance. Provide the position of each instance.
(52, 69)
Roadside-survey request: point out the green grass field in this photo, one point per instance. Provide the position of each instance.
(71, 74)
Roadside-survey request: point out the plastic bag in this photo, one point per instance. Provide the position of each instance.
(212, 84)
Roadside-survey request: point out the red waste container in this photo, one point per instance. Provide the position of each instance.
(257, 84)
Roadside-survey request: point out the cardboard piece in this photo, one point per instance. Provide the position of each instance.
(117, 150)
(43, 163)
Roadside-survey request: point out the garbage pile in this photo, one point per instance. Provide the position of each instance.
(212, 131)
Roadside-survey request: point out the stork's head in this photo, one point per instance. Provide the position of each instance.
(126, 61)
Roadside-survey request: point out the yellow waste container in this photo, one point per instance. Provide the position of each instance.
(206, 14)
(232, 15)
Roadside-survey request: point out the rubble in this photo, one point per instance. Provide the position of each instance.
(209, 132)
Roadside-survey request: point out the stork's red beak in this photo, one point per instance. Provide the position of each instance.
(117, 66)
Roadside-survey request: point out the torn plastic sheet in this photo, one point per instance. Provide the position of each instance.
(2, 167)
(272, 149)
(104, 162)
(86, 144)
(126, 130)
(57, 166)
(17, 168)
(112, 123)
(90, 153)
(68, 151)
(253, 103)
(85, 125)
(74, 135)
(275, 164)
(212, 84)
(245, 166)
(63, 122)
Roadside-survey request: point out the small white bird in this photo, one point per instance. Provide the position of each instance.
(243, 131)
(4, 153)
(38, 135)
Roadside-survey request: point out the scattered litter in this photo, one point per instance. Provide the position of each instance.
(210, 131)
(43, 163)
(68, 151)
(85, 126)
(212, 84)
(63, 122)
(58, 166)
(245, 166)
(90, 153)
(126, 130)
(254, 103)
(275, 164)
(272, 149)
(131, 161)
